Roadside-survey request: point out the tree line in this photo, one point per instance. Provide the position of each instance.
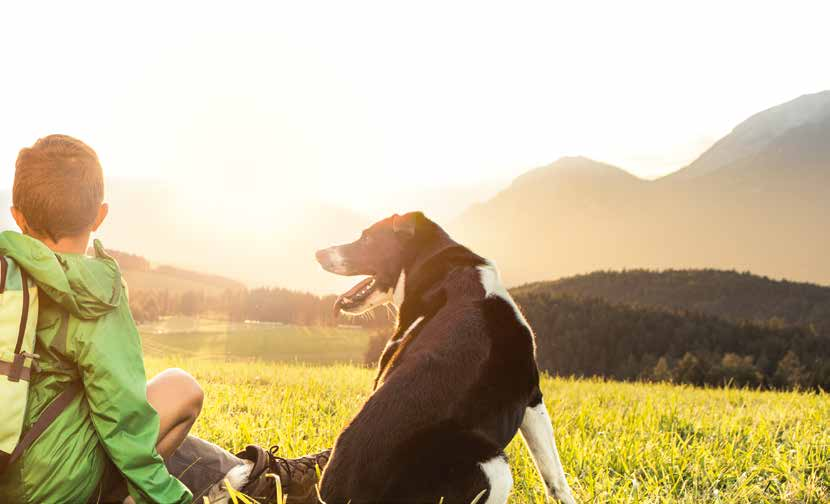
(592, 337)
(262, 304)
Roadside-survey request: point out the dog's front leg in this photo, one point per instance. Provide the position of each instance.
(537, 432)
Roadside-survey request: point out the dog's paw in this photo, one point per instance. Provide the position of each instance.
(563, 495)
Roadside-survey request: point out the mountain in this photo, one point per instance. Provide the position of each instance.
(753, 136)
(758, 200)
(737, 297)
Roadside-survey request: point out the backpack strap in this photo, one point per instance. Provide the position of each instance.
(43, 422)
(4, 267)
(24, 318)
(16, 371)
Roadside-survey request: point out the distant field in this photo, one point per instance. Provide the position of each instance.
(620, 442)
(210, 339)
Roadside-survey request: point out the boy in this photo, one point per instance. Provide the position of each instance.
(111, 442)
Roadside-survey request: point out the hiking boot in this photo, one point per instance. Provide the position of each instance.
(298, 477)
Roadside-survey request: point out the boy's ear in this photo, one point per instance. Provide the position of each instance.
(20, 220)
(102, 214)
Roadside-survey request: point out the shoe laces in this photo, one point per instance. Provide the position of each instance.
(297, 469)
(277, 462)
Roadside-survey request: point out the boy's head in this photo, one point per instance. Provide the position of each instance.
(58, 189)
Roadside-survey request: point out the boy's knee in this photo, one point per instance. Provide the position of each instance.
(191, 392)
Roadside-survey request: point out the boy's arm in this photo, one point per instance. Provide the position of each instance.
(112, 367)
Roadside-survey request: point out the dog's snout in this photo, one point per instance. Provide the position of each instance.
(331, 260)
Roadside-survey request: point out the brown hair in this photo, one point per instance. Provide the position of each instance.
(58, 186)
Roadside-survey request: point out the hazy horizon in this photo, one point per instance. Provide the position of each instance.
(362, 99)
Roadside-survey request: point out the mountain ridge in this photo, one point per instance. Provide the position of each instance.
(750, 136)
(765, 212)
(575, 166)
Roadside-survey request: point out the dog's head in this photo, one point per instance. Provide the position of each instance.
(381, 253)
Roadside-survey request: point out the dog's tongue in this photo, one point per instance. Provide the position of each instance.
(351, 292)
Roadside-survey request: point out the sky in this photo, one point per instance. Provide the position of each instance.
(345, 102)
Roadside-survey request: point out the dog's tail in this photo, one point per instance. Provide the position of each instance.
(537, 432)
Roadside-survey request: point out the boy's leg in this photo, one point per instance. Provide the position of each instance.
(203, 466)
(177, 398)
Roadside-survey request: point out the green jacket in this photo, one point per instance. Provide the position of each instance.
(86, 333)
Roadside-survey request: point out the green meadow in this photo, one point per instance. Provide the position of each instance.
(620, 442)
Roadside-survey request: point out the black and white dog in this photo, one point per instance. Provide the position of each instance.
(455, 383)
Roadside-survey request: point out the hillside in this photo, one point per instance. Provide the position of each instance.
(141, 275)
(591, 337)
(726, 294)
(759, 204)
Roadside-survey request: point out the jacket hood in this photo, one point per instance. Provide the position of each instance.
(87, 287)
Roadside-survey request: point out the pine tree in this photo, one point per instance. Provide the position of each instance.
(790, 373)
(661, 372)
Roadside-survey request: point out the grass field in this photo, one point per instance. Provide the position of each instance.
(619, 442)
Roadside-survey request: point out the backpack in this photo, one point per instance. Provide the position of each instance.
(18, 363)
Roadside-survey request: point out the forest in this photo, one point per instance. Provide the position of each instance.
(592, 337)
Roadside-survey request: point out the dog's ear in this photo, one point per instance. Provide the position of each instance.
(407, 224)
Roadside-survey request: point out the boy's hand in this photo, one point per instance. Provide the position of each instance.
(129, 500)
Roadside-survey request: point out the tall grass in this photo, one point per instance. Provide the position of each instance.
(620, 442)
